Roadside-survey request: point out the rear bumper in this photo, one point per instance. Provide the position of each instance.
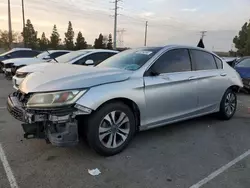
(58, 126)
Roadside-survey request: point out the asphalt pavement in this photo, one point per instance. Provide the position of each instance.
(174, 156)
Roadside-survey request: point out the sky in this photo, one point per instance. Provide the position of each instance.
(169, 21)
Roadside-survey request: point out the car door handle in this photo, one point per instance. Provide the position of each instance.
(192, 78)
(223, 74)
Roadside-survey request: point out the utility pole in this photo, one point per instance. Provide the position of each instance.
(146, 33)
(23, 14)
(203, 34)
(23, 21)
(10, 28)
(115, 21)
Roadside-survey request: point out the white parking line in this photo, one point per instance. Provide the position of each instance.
(7, 168)
(2, 107)
(220, 170)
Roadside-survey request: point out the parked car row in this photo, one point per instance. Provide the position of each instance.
(17, 53)
(81, 57)
(120, 94)
(10, 66)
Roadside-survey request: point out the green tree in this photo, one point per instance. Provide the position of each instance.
(4, 38)
(54, 38)
(110, 42)
(242, 41)
(99, 42)
(69, 37)
(80, 42)
(43, 42)
(247, 47)
(29, 35)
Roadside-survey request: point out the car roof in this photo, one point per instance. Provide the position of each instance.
(175, 46)
(99, 50)
(53, 51)
(16, 49)
(181, 46)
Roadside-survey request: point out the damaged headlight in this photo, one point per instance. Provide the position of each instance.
(55, 99)
(21, 74)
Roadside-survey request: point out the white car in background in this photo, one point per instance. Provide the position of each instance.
(11, 65)
(89, 57)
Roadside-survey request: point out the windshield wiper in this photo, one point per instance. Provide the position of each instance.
(52, 57)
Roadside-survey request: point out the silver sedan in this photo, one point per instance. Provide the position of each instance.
(137, 89)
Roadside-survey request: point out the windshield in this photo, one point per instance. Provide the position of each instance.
(130, 59)
(244, 63)
(5, 53)
(42, 55)
(71, 56)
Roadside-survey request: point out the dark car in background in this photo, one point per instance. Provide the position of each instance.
(231, 60)
(242, 66)
(17, 53)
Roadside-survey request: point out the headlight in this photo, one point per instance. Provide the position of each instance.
(8, 65)
(21, 74)
(55, 99)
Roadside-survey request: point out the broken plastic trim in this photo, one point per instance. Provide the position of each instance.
(83, 109)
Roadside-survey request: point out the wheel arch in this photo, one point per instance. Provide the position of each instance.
(130, 103)
(235, 88)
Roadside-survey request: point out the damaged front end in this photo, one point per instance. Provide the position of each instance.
(58, 125)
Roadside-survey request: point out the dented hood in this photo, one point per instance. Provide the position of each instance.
(66, 77)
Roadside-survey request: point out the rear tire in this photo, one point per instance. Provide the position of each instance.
(228, 105)
(111, 128)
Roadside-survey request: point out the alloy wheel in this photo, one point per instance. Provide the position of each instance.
(114, 129)
(230, 104)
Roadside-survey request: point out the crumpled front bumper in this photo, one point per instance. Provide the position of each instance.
(59, 126)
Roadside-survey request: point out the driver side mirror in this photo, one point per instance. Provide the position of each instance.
(89, 62)
(8, 56)
(46, 58)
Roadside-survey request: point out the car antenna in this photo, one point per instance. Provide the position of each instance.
(53, 57)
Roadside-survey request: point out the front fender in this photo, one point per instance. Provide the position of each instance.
(131, 89)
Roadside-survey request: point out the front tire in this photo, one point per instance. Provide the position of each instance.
(228, 105)
(111, 128)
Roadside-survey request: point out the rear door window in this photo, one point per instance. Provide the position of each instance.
(202, 60)
(96, 57)
(57, 54)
